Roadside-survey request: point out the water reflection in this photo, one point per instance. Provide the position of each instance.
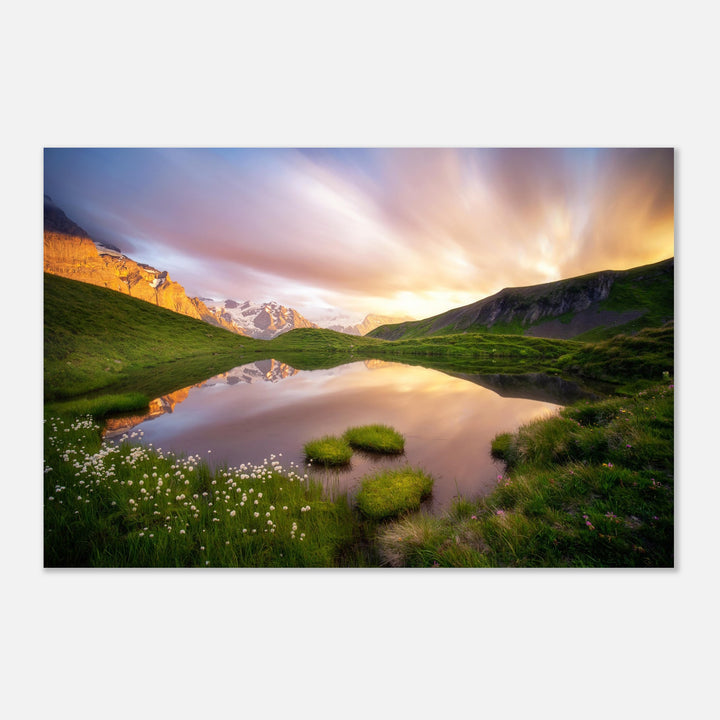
(247, 414)
(532, 386)
(260, 371)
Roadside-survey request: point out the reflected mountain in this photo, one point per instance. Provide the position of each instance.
(378, 364)
(261, 371)
(531, 386)
(159, 406)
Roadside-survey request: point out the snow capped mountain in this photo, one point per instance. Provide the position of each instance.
(260, 371)
(259, 320)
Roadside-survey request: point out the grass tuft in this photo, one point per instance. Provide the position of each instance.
(375, 438)
(328, 450)
(393, 492)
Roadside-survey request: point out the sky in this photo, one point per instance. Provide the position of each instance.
(339, 233)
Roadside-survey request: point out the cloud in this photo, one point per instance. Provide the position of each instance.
(371, 230)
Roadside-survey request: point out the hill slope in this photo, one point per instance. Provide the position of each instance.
(591, 306)
(94, 337)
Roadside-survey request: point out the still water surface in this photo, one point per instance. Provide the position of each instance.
(264, 408)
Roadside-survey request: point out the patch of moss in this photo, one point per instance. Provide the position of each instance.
(375, 438)
(328, 450)
(393, 492)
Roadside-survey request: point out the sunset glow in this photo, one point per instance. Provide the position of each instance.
(342, 233)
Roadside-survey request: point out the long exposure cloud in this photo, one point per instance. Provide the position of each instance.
(411, 231)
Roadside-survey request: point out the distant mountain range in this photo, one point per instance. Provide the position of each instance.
(592, 306)
(589, 307)
(369, 324)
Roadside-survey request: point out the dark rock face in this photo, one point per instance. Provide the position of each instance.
(262, 320)
(582, 322)
(528, 305)
(56, 221)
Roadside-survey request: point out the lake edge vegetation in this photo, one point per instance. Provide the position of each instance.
(328, 450)
(376, 438)
(590, 486)
(389, 493)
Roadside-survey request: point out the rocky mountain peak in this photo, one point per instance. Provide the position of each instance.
(259, 320)
(69, 251)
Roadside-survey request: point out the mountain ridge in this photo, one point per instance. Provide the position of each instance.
(605, 301)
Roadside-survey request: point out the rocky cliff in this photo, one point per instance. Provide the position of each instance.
(70, 252)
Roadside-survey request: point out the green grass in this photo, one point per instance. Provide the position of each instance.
(124, 505)
(421, 540)
(315, 348)
(375, 439)
(648, 354)
(101, 406)
(591, 486)
(328, 450)
(392, 492)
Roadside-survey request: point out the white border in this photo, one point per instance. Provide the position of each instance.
(343, 643)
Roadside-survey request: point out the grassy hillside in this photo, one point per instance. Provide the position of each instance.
(638, 290)
(95, 337)
(577, 308)
(648, 354)
(619, 360)
(313, 349)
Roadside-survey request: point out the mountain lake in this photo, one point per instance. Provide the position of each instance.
(267, 411)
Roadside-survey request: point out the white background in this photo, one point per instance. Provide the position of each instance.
(342, 643)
